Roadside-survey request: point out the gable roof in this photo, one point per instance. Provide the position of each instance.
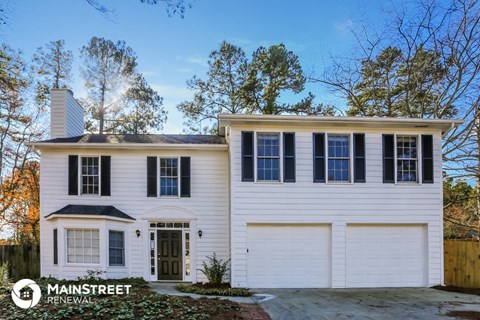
(89, 210)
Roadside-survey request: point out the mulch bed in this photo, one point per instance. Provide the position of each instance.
(474, 291)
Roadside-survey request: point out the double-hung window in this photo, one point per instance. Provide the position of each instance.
(116, 248)
(268, 157)
(89, 175)
(407, 161)
(169, 176)
(338, 158)
(83, 246)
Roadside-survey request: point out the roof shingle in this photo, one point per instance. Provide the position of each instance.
(109, 211)
(141, 138)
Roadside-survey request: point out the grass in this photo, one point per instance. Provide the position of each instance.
(141, 303)
(214, 290)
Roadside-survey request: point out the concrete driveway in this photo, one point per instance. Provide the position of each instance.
(418, 303)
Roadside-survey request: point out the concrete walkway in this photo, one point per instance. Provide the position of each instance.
(384, 304)
(169, 289)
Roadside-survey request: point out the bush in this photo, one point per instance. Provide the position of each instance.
(217, 270)
(4, 279)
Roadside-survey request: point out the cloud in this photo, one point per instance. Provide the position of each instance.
(196, 60)
(344, 26)
(173, 93)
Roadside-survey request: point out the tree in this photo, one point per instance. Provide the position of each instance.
(142, 109)
(221, 93)
(392, 85)
(235, 85)
(107, 68)
(439, 73)
(20, 122)
(272, 71)
(119, 98)
(172, 7)
(460, 217)
(23, 188)
(55, 63)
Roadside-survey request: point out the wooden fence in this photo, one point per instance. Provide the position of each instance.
(24, 261)
(462, 263)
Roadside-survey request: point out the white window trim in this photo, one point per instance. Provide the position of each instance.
(418, 165)
(280, 155)
(65, 237)
(178, 178)
(80, 182)
(350, 162)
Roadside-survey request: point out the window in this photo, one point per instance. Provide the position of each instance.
(268, 157)
(90, 175)
(116, 248)
(406, 159)
(55, 246)
(168, 177)
(83, 246)
(339, 158)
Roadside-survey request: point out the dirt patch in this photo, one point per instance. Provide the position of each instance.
(469, 315)
(253, 312)
(474, 291)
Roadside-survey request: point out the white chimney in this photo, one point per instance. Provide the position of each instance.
(66, 115)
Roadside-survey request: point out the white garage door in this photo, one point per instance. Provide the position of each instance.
(386, 256)
(288, 256)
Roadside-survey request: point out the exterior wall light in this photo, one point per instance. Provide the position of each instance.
(200, 233)
(138, 233)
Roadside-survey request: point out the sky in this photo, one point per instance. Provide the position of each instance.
(172, 49)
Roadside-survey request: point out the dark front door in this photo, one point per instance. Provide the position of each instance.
(169, 254)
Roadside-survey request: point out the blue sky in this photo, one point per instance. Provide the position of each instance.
(171, 49)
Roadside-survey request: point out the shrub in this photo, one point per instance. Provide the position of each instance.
(217, 270)
(4, 275)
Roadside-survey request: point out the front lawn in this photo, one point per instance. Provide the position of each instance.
(141, 303)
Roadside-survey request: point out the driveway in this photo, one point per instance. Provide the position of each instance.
(417, 303)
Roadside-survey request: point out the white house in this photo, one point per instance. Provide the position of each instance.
(293, 201)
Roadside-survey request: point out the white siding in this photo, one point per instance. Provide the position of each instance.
(66, 115)
(207, 206)
(335, 204)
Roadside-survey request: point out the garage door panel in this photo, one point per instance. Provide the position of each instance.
(288, 256)
(386, 256)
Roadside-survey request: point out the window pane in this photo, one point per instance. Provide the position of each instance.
(407, 170)
(83, 246)
(90, 175)
(338, 146)
(338, 170)
(168, 177)
(268, 157)
(116, 252)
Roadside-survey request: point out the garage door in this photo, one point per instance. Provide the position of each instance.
(386, 256)
(288, 256)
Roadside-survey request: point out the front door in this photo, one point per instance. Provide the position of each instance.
(169, 247)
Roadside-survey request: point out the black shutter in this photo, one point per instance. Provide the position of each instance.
(388, 159)
(151, 176)
(55, 246)
(289, 157)
(319, 157)
(73, 175)
(105, 175)
(247, 156)
(359, 157)
(185, 177)
(427, 158)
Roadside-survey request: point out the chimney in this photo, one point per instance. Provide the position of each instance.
(66, 115)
